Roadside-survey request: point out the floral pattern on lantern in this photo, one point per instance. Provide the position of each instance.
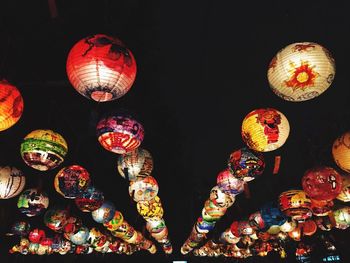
(265, 130)
(301, 71)
(32, 202)
(143, 189)
(341, 151)
(296, 204)
(89, 200)
(104, 213)
(12, 182)
(150, 209)
(101, 68)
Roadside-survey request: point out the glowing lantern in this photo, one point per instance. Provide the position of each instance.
(309, 227)
(143, 189)
(274, 230)
(345, 192)
(321, 207)
(228, 183)
(220, 198)
(119, 134)
(301, 71)
(137, 163)
(322, 183)
(12, 182)
(296, 204)
(20, 228)
(89, 200)
(36, 235)
(295, 234)
(342, 217)
(104, 213)
(256, 220)
(150, 209)
(101, 68)
(228, 237)
(288, 226)
(115, 222)
(212, 211)
(56, 219)
(32, 202)
(80, 236)
(11, 107)
(155, 226)
(43, 149)
(341, 151)
(265, 130)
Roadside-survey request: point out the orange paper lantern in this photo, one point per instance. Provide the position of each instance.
(341, 151)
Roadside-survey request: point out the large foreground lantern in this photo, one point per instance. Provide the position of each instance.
(341, 151)
(12, 182)
(265, 130)
(11, 106)
(301, 71)
(101, 68)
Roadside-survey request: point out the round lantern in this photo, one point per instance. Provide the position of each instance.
(12, 182)
(345, 192)
(220, 198)
(137, 163)
(342, 217)
(150, 209)
(56, 219)
(32, 202)
(115, 222)
(272, 215)
(71, 181)
(288, 226)
(80, 236)
(155, 226)
(101, 68)
(321, 207)
(322, 183)
(104, 213)
(309, 227)
(295, 234)
(228, 237)
(341, 151)
(43, 149)
(265, 130)
(72, 226)
(119, 133)
(256, 220)
(36, 235)
(89, 200)
(296, 204)
(228, 183)
(20, 228)
(301, 71)
(143, 189)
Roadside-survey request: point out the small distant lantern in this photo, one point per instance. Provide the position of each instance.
(20, 228)
(341, 151)
(220, 198)
(11, 106)
(32, 202)
(228, 183)
(150, 209)
(56, 219)
(104, 213)
(143, 189)
(12, 182)
(345, 192)
(296, 204)
(155, 226)
(265, 130)
(119, 133)
(36, 235)
(89, 200)
(101, 68)
(43, 149)
(301, 71)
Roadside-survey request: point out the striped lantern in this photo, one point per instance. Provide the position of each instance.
(265, 130)
(11, 106)
(301, 71)
(296, 204)
(12, 182)
(341, 151)
(101, 68)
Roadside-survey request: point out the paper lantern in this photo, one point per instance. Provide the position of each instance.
(342, 217)
(288, 226)
(265, 130)
(228, 183)
(137, 163)
(156, 225)
(309, 227)
(56, 219)
(321, 207)
(295, 234)
(273, 230)
(246, 164)
(96, 238)
(89, 200)
(272, 215)
(256, 220)
(204, 226)
(71, 181)
(143, 189)
(80, 236)
(150, 209)
(36, 235)
(341, 151)
(104, 213)
(11, 106)
(20, 228)
(32, 202)
(220, 198)
(215, 212)
(119, 133)
(101, 68)
(228, 237)
(115, 222)
(43, 149)
(323, 222)
(345, 192)
(296, 204)
(12, 182)
(322, 183)
(72, 226)
(301, 71)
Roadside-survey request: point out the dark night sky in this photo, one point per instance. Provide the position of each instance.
(202, 67)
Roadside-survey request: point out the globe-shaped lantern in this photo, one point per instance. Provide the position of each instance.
(342, 217)
(301, 71)
(32, 202)
(115, 222)
(345, 192)
(137, 163)
(71, 181)
(11, 106)
(296, 204)
(80, 236)
(89, 200)
(119, 133)
(246, 164)
(101, 68)
(12, 182)
(220, 198)
(155, 226)
(341, 151)
(228, 183)
(150, 208)
(143, 189)
(265, 130)
(56, 219)
(43, 149)
(104, 213)
(322, 183)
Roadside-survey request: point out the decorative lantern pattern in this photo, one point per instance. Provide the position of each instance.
(104, 213)
(32, 202)
(115, 222)
(143, 189)
(150, 209)
(12, 182)
(228, 183)
(301, 71)
(56, 219)
(296, 204)
(341, 151)
(345, 192)
(119, 134)
(265, 130)
(101, 68)
(89, 200)
(220, 198)
(43, 149)
(11, 106)
(321, 207)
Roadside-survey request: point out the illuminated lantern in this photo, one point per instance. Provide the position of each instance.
(150, 209)
(301, 71)
(322, 183)
(20, 228)
(272, 215)
(256, 220)
(204, 226)
(215, 212)
(143, 189)
(246, 164)
(228, 237)
(89, 200)
(80, 236)
(228, 183)
(220, 198)
(56, 219)
(104, 213)
(288, 226)
(96, 238)
(119, 133)
(11, 106)
(321, 207)
(71, 181)
(115, 222)
(161, 234)
(296, 204)
(12, 182)
(124, 231)
(342, 217)
(244, 228)
(341, 151)
(72, 226)
(265, 130)
(155, 226)
(32, 202)
(36, 235)
(101, 68)
(345, 192)
(43, 149)
(274, 230)
(295, 234)
(137, 163)
(309, 227)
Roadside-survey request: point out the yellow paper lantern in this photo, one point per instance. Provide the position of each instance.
(345, 192)
(265, 130)
(341, 151)
(301, 71)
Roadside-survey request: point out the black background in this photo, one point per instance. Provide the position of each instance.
(202, 66)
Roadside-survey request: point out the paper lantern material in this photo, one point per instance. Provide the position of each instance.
(104, 213)
(341, 151)
(342, 217)
(115, 222)
(296, 204)
(56, 219)
(20, 228)
(143, 189)
(36, 235)
(220, 198)
(228, 183)
(345, 192)
(301, 71)
(150, 209)
(89, 200)
(12, 182)
(32, 202)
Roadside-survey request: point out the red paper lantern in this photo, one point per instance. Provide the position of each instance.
(36, 235)
(296, 204)
(101, 68)
(309, 227)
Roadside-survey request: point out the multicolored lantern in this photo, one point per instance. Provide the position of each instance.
(89, 200)
(345, 192)
(119, 133)
(43, 149)
(341, 151)
(56, 219)
(265, 130)
(321, 207)
(20, 228)
(115, 222)
(213, 211)
(32, 202)
(228, 183)
(220, 198)
(36, 235)
(301, 71)
(104, 213)
(12, 182)
(322, 183)
(342, 217)
(143, 189)
(101, 68)
(272, 215)
(80, 236)
(296, 204)
(155, 226)
(256, 221)
(134, 164)
(150, 209)
(71, 181)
